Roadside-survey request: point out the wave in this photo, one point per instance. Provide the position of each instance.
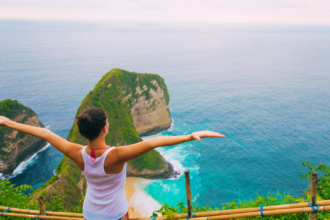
(23, 165)
(171, 126)
(182, 157)
(141, 201)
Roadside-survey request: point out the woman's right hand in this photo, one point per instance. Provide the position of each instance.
(3, 119)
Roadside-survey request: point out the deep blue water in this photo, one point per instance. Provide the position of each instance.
(268, 92)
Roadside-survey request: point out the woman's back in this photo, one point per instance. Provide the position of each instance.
(105, 195)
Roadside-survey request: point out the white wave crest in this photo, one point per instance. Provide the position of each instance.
(141, 201)
(171, 126)
(22, 166)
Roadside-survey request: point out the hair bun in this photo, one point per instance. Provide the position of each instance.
(87, 117)
(84, 118)
(91, 121)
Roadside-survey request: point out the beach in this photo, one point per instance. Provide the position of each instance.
(130, 190)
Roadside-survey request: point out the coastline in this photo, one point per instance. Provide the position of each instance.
(140, 204)
(130, 190)
(22, 165)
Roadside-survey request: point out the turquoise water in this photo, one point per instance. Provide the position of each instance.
(267, 91)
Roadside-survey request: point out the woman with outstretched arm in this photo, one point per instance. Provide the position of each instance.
(104, 167)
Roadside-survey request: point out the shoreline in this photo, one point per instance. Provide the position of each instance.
(130, 190)
(140, 204)
(22, 165)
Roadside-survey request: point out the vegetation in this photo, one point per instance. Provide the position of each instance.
(323, 191)
(10, 109)
(12, 196)
(18, 197)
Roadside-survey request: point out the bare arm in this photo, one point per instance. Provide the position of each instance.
(67, 148)
(129, 152)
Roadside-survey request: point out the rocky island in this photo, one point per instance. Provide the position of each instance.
(16, 146)
(136, 104)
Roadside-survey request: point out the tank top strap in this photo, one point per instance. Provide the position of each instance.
(83, 152)
(105, 154)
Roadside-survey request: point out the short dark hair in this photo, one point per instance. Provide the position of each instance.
(91, 121)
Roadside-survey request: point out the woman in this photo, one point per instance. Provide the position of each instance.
(104, 167)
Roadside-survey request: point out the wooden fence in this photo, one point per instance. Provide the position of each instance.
(313, 207)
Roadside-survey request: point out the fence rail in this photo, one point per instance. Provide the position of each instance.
(313, 207)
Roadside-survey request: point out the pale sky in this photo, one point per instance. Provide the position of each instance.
(161, 11)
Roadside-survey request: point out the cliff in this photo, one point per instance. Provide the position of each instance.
(135, 104)
(152, 115)
(16, 146)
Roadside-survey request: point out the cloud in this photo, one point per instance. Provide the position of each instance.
(149, 11)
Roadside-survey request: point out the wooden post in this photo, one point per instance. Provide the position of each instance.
(314, 180)
(42, 205)
(188, 192)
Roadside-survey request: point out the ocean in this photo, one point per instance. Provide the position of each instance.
(267, 89)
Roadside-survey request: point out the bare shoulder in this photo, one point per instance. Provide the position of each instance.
(77, 146)
(74, 151)
(112, 164)
(111, 158)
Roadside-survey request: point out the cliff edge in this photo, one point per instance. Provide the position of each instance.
(16, 146)
(135, 104)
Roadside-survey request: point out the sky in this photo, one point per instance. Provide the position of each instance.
(308, 12)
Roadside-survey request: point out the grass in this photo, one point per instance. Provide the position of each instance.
(10, 109)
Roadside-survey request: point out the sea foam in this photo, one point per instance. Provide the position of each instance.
(23, 165)
(141, 201)
(171, 126)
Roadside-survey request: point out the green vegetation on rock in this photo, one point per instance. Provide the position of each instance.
(10, 109)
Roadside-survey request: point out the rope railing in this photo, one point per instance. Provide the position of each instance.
(312, 207)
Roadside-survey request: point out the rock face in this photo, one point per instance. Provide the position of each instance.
(153, 115)
(16, 146)
(135, 104)
(163, 172)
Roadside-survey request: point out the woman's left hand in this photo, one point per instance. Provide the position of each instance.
(205, 134)
(3, 119)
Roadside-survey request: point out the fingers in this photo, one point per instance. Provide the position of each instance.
(197, 137)
(219, 135)
(207, 134)
(3, 120)
(213, 134)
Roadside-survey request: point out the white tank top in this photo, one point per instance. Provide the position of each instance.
(105, 196)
